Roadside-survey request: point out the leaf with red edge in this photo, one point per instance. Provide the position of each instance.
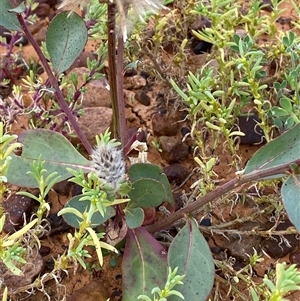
(144, 264)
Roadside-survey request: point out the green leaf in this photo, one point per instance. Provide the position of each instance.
(286, 104)
(279, 112)
(134, 217)
(57, 152)
(146, 170)
(146, 193)
(82, 206)
(234, 48)
(290, 192)
(144, 264)
(7, 19)
(282, 150)
(18, 9)
(189, 252)
(65, 39)
(289, 122)
(236, 39)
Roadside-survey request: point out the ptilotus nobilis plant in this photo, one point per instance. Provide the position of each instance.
(139, 8)
(109, 163)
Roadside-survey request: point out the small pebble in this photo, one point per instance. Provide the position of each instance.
(205, 222)
(201, 47)
(15, 207)
(50, 264)
(142, 98)
(185, 131)
(176, 173)
(135, 82)
(284, 20)
(268, 5)
(216, 250)
(164, 125)
(76, 190)
(51, 3)
(178, 200)
(238, 265)
(44, 251)
(144, 74)
(253, 132)
(173, 149)
(63, 187)
(130, 72)
(43, 10)
(55, 220)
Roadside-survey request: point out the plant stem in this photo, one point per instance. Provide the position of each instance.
(218, 192)
(60, 98)
(122, 127)
(116, 77)
(111, 17)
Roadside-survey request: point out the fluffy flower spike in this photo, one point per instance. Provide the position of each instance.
(140, 8)
(108, 161)
(73, 4)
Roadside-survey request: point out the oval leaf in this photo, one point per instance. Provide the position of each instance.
(283, 149)
(65, 40)
(144, 264)
(290, 192)
(57, 152)
(82, 206)
(8, 19)
(146, 170)
(286, 104)
(189, 252)
(134, 217)
(146, 193)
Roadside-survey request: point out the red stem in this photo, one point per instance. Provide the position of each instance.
(218, 192)
(122, 126)
(60, 98)
(112, 72)
(116, 77)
